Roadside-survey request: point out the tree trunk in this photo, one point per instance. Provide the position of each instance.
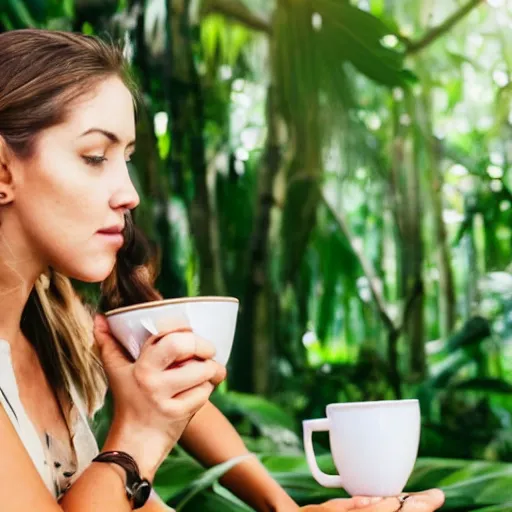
(412, 244)
(252, 352)
(407, 210)
(447, 301)
(472, 298)
(188, 162)
(397, 202)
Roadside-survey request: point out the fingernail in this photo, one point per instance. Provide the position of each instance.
(376, 499)
(365, 501)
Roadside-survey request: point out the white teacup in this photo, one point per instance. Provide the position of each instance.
(374, 445)
(212, 318)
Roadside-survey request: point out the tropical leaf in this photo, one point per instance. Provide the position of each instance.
(466, 483)
(6, 21)
(223, 42)
(299, 483)
(337, 265)
(176, 475)
(215, 502)
(264, 414)
(502, 507)
(483, 385)
(207, 479)
(474, 331)
(222, 492)
(443, 372)
(489, 489)
(360, 33)
(21, 13)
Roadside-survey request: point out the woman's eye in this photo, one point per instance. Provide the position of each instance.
(94, 160)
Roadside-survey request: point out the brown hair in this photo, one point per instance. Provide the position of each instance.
(132, 280)
(42, 74)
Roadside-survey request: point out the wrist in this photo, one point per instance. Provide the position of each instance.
(144, 446)
(138, 489)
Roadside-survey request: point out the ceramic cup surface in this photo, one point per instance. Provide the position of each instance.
(212, 318)
(374, 445)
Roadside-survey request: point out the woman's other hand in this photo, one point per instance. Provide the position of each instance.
(426, 501)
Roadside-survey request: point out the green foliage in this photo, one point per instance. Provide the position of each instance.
(380, 132)
(184, 484)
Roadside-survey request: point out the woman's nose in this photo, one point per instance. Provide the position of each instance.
(126, 195)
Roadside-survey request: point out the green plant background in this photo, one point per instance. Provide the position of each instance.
(344, 169)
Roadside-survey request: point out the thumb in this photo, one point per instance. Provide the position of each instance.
(112, 353)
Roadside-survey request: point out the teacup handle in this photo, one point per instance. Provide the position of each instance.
(310, 426)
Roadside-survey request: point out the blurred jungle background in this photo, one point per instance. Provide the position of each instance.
(344, 168)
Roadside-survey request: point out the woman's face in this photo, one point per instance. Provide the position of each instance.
(77, 185)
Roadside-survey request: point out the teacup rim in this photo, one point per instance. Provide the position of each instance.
(371, 403)
(165, 302)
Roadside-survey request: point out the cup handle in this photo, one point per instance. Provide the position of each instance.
(310, 426)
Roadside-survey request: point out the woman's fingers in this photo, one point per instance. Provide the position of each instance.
(391, 504)
(337, 505)
(191, 374)
(426, 501)
(111, 352)
(219, 375)
(188, 402)
(175, 347)
(366, 502)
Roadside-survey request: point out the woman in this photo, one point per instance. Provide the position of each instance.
(66, 131)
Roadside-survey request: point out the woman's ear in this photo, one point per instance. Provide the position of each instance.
(6, 182)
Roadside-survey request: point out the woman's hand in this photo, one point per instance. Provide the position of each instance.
(156, 396)
(426, 501)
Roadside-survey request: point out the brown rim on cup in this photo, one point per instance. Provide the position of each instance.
(181, 300)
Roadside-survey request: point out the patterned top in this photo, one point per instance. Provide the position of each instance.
(52, 458)
(63, 463)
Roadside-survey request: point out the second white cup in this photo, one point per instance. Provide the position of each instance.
(374, 445)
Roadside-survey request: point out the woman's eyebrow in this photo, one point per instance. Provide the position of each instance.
(111, 136)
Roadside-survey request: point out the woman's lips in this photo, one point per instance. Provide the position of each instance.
(115, 238)
(112, 230)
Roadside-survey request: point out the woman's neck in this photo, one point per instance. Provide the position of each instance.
(24, 357)
(11, 306)
(20, 267)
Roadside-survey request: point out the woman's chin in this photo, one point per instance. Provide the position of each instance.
(91, 279)
(99, 273)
